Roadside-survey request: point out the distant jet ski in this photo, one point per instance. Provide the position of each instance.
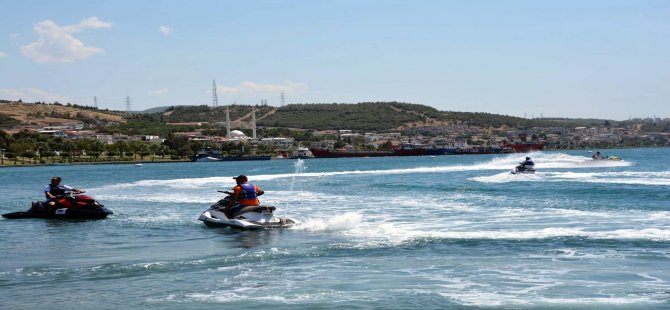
(525, 167)
(250, 217)
(68, 207)
(521, 170)
(599, 156)
(608, 158)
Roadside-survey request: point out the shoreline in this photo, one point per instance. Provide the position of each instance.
(92, 163)
(135, 162)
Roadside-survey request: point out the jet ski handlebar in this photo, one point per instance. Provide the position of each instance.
(71, 194)
(231, 193)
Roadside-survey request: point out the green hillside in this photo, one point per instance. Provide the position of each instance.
(360, 117)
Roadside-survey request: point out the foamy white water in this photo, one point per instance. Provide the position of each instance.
(390, 233)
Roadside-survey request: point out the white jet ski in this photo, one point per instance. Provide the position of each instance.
(250, 217)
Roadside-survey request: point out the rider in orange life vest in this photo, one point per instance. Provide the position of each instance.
(244, 194)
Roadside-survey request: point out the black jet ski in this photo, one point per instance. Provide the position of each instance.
(250, 217)
(67, 207)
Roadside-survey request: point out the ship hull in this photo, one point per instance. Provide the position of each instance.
(321, 153)
(525, 147)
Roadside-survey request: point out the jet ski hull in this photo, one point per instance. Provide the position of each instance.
(527, 171)
(247, 221)
(90, 210)
(63, 213)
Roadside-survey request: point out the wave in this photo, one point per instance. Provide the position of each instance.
(659, 178)
(478, 298)
(506, 162)
(391, 232)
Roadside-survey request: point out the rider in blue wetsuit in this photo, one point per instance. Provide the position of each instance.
(525, 165)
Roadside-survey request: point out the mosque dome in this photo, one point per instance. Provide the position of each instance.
(237, 134)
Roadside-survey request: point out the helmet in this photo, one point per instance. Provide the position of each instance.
(527, 158)
(241, 177)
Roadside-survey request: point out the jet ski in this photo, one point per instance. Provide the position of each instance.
(250, 217)
(67, 207)
(521, 170)
(607, 158)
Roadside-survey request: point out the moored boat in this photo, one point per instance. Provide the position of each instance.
(210, 154)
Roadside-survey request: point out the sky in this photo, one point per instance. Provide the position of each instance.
(579, 59)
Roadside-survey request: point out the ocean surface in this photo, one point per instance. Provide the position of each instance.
(444, 232)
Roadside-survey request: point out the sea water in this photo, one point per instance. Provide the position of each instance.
(444, 232)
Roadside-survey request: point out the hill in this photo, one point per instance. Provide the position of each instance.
(365, 116)
(41, 115)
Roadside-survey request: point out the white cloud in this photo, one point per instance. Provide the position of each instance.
(254, 88)
(56, 44)
(158, 92)
(165, 30)
(31, 95)
(3, 55)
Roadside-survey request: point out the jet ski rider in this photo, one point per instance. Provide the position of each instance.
(55, 191)
(525, 165)
(244, 194)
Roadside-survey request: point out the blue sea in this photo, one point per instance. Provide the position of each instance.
(444, 232)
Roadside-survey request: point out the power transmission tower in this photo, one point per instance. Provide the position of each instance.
(128, 104)
(215, 98)
(282, 99)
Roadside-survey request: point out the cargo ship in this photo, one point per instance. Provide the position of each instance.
(524, 147)
(323, 153)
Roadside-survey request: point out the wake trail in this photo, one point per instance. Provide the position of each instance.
(506, 162)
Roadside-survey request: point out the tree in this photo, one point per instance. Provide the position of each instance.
(137, 147)
(21, 147)
(122, 147)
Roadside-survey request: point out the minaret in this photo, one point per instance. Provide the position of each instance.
(253, 121)
(227, 124)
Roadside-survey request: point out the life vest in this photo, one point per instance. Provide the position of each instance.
(248, 196)
(56, 190)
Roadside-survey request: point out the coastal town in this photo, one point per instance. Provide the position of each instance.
(76, 140)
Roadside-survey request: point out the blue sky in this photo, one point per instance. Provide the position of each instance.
(603, 59)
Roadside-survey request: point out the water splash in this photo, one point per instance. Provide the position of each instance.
(299, 169)
(342, 222)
